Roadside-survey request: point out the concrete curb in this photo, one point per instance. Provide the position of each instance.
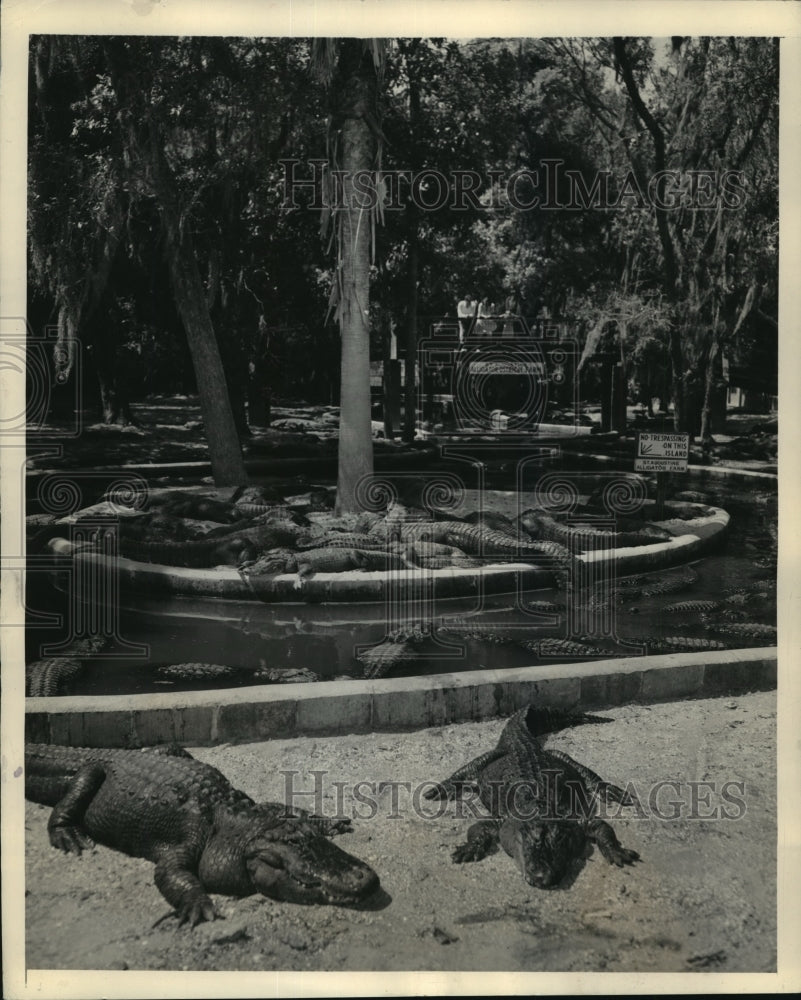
(339, 707)
(368, 588)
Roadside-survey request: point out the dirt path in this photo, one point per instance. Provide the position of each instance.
(703, 898)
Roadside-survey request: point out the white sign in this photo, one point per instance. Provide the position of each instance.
(662, 452)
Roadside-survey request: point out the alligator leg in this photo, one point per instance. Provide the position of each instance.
(482, 839)
(604, 836)
(64, 825)
(451, 788)
(594, 783)
(179, 885)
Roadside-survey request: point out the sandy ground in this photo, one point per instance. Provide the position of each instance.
(702, 899)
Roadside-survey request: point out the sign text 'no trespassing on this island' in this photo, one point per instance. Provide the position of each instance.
(662, 452)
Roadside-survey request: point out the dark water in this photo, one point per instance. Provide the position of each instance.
(323, 639)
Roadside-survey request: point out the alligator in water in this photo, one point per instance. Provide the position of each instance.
(746, 630)
(204, 835)
(396, 650)
(670, 584)
(679, 644)
(683, 607)
(561, 647)
(52, 676)
(543, 804)
(204, 673)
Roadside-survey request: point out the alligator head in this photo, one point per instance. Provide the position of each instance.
(543, 849)
(300, 865)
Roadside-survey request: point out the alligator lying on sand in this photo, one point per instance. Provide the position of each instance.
(543, 803)
(204, 835)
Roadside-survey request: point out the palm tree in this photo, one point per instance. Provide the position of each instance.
(351, 68)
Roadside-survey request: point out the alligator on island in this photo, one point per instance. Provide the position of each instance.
(543, 804)
(583, 536)
(233, 549)
(204, 835)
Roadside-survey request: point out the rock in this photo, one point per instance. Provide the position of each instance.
(222, 931)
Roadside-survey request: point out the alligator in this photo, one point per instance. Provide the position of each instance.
(691, 496)
(542, 526)
(395, 650)
(52, 676)
(747, 630)
(343, 540)
(335, 560)
(670, 584)
(204, 835)
(492, 519)
(689, 606)
(545, 607)
(711, 621)
(679, 643)
(192, 673)
(197, 507)
(230, 550)
(196, 672)
(561, 647)
(543, 804)
(434, 555)
(499, 636)
(386, 656)
(473, 539)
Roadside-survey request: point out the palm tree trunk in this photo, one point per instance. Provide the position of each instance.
(355, 428)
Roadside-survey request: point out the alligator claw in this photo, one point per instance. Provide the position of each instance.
(197, 911)
(465, 853)
(620, 856)
(70, 839)
(339, 826)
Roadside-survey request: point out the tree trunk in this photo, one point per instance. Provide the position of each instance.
(358, 156)
(677, 372)
(410, 398)
(410, 395)
(144, 143)
(709, 384)
(113, 398)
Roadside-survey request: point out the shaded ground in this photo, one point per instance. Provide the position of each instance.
(170, 429)
(703, 898)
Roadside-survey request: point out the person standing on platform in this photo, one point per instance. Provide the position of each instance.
(486, 313)
(466, 313)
